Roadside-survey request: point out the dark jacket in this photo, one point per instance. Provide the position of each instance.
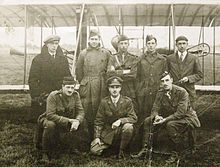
(46, 73)
(129, 79)
(175, 106)
(61, 108)
(108, 113)
(190, 68)
(149, 70)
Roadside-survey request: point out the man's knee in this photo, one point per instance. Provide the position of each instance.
(127, 128)
(49, 125)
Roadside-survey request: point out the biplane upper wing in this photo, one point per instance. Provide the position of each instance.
(63, 13)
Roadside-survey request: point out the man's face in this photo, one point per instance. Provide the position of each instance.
(182, 45)
(166, 82)
(114, 90)
(151, 45)
(68, 89)
(94, 41)
(123, 46)
(52, 46)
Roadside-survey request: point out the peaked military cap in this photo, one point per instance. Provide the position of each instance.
(52, 38)
(114, 80)
(69, 80)
(181, 38)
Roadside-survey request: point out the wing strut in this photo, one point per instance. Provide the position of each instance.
(77, 41)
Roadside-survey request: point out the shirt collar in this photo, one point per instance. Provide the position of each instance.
(115, 99)
(184, 54)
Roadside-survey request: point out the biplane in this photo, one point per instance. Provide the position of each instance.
(119, 15)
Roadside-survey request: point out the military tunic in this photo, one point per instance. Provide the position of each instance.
(149, 69)
(108, 113)
(60, 109)
(190, 67)
(174, 106)
(91, 70)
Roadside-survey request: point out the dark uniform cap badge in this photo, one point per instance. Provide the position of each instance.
(114, 81)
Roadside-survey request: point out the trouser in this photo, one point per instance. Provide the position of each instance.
(174, 129)
(124, 133)
(145, 104)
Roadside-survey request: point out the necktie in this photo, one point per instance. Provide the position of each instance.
(181, 57)
(115, 103)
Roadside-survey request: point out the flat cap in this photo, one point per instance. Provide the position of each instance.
(52, 38)
(69, 80)
(93, 32)
(122, 38)
(181, 38)
(150, 37)
(114, 80)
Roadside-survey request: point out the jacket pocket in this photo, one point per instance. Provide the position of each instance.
(83, 88)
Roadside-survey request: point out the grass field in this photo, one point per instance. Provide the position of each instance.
(17, 126)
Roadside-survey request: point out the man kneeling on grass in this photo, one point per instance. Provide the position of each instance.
(171, 111)
(114, 120)
(64, 113)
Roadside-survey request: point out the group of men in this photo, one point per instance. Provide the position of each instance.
(119, 93)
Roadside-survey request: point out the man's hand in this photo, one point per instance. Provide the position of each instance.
(159, 120)
(96, 141)
(116, 124)
(184, 79)
(126, 71)
(74, 124)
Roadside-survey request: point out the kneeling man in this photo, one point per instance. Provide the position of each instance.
(114, 120)
(64, 113)
(171, 110)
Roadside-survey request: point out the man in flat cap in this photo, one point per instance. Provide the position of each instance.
(91, 70)
(185, 68)
(149, 69)
(64, 113)
(171, 111)
(114, 120)
(124, 64)
(47, 72)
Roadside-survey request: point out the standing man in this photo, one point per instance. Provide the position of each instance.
(47, 72)
(114, 120)
(171, 111)
(185, 68)
(64, 113)
(91, 69)
(124, 64)
(149, 69)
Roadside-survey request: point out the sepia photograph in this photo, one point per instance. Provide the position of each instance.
(120, 83)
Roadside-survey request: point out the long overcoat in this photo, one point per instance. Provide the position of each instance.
(91, 71)
(149, 69)
(190, 67)
(109, 113)
(46, 73)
